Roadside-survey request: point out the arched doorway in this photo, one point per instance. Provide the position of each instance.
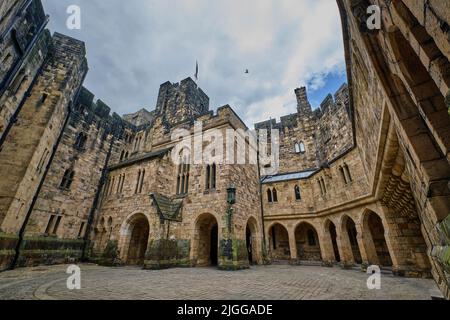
(136, 235)
(251, 237)
(206, 241)
(279, 243)
(374, 225)
(333, 236)
(352, 239)
(249, 244)
(307, 240)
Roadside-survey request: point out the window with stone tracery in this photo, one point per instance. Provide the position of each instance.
(183, 174)
(210, 181)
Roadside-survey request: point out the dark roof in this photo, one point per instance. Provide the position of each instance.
(168, 209)
(146, 156)
(288, 177)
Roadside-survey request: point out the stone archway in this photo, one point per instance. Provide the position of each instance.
(134, 237)
(252, 241)
(307, 240)
(349, 239)
(377, 247)
(331, 229)
(279, 243)
(206, 241)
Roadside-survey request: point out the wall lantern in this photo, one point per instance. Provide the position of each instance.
(231, 194)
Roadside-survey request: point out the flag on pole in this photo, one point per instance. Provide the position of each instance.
(196, 70)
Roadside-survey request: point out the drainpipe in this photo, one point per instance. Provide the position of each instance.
(261, 196)
(97, 198)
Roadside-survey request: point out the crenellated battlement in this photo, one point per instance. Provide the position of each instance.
(181, 101)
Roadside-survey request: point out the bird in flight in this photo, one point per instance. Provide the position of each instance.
(246, 71)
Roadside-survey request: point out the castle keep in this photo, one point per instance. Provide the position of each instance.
(362, 180)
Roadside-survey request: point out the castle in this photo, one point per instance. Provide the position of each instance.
(363, 180)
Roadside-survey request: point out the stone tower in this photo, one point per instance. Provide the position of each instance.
(181, 101)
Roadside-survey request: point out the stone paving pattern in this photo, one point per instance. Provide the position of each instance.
(274, 282)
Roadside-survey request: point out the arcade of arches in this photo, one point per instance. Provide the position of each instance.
(350, 239)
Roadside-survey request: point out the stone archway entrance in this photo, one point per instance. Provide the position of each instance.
(249, 244)
(333, 235)
(206, 241)
(252, 241)
(135, 238)
(307, 240)
(352, 239)
(374, 226)
(279, 243)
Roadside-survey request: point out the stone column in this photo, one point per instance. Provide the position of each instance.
(345, 248)
(390, 237)
(366, 247)
(292, 245)
(326, 248)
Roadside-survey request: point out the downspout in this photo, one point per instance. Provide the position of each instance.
(97, 198)
(261, 199)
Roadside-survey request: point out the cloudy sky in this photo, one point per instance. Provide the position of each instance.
(135, 45)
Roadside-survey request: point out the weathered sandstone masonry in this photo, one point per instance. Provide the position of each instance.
(363, 178)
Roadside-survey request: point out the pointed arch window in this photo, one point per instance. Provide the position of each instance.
(345, 174)
(322, 186)
(211, 174)
(80, 141)
(137, 182)
(274, 195)
(184, 168)
(140, 181)
(67, 179)
(300, 147)
(269, 196)
(298, 195)
(53, 223)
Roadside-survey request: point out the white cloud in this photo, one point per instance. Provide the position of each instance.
(136, 45)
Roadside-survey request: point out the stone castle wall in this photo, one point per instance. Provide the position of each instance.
(371, 164)
(26, 151)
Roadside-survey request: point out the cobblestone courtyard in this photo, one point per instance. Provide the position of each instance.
(262, 282)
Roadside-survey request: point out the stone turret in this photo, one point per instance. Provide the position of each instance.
(303, 105)
(181, 102)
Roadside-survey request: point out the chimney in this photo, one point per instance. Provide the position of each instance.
(303, 105)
